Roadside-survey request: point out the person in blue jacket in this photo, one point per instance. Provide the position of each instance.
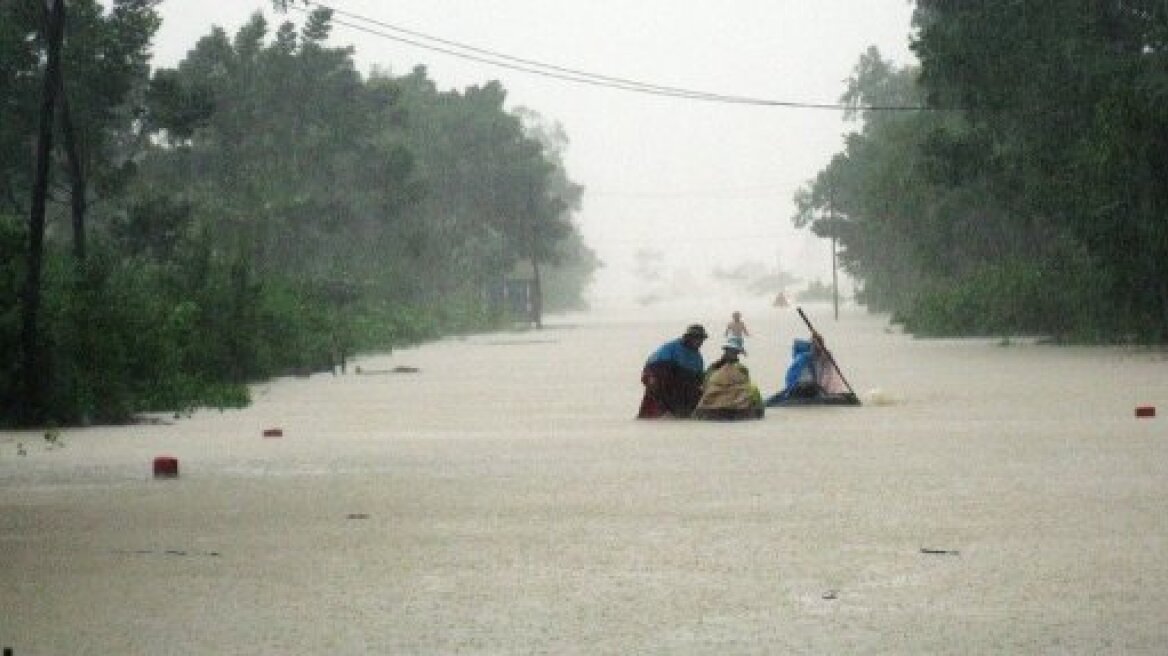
(673, 376)
(813, 377)
(802, 379)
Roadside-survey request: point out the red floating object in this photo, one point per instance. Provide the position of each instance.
(274, 432)
(166, 467)
(1146, 411)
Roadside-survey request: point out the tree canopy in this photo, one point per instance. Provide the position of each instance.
(1028, 195)
(262, 208)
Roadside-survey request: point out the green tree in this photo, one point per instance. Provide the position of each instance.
(1067, 102)
(495, 188)
(917, 203)
(104, 59)
(98, 60)
(265, 210)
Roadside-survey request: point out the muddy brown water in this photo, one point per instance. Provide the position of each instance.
(500, 499)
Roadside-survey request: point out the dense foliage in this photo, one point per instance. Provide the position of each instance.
(1030, 195)
(260, 209)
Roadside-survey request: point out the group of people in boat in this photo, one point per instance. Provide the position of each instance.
(678, 383)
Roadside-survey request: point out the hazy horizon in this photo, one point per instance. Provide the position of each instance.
(707, 184)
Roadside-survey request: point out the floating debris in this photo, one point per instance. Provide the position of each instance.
(53, 439)
(520, 342)
(167, 552)
(396, 370)
(166, 467)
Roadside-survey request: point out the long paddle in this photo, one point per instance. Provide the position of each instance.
(829, 356)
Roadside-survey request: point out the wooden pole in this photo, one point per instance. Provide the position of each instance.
(826, 352)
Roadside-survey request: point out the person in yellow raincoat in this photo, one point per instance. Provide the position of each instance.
(728, 392)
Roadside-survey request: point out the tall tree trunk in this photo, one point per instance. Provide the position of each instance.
(536, 294)
(32, 377)
(536, 283)
(76, 176)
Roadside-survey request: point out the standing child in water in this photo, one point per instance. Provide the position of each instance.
(736, 332)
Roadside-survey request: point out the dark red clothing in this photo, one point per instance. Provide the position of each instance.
(669, 390)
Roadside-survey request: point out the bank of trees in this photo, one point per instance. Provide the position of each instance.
(1029, 196)
(261, 208)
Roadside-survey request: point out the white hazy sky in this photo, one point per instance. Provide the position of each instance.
(708, 184)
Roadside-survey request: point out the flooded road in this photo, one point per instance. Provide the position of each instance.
(502, 500)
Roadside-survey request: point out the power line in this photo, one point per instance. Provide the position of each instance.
(516, 63)
(417, 39)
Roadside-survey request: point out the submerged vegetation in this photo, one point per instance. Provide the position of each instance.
(260, 209)
(1028, 196)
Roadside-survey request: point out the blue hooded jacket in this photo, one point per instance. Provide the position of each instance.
(802, 368)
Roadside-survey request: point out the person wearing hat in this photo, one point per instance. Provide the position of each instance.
(672, 376)
(728, 392)
(732, 352)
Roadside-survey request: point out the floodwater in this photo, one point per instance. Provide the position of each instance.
(990, 498)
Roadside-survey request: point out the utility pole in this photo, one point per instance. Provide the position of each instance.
(834, 274)
(834, 279)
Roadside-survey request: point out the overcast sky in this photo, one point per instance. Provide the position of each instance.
(709, 184)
